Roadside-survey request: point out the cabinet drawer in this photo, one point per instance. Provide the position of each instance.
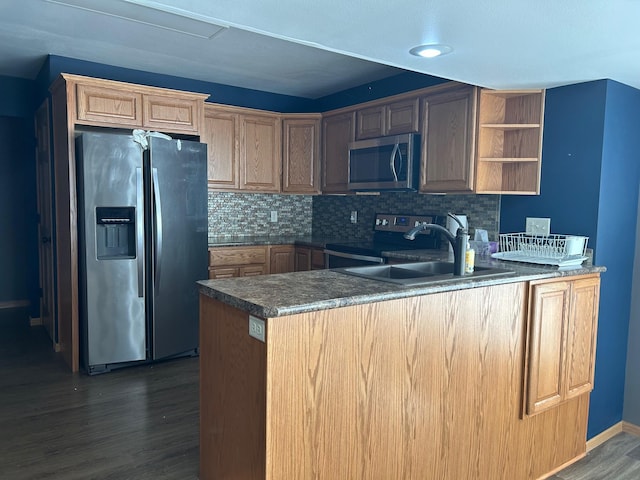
(108, 105)
(226, 256)
(226, 272)
(171, 114)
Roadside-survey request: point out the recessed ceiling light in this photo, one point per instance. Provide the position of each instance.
(431, 50)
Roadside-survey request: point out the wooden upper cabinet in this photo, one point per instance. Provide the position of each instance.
(260, 153)
(301, 154)
(221, 133)
(169, 113)
(98, 102)
(108, 105)
(337, 131)
(509, 153)
(448, 140)
(388, 119)
(561, 342)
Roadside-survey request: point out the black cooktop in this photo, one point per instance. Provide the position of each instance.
(388, 235)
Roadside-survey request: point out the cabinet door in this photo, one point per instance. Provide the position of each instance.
(581, 336)
(549, 311)
(402, 117)
(221, 134)
(303, 259)
(108, 106)
(171, 114)
(282, 259)
(317, 259)
(301, 155)
(370, 122)
(337, 132)
(448, 141)
(260, 157)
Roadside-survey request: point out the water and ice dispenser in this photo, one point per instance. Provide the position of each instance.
(115, 232)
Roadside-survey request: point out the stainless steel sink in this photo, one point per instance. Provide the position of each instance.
(419, 273)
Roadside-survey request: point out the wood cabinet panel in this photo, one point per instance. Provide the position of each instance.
(448, 141)
(171, 114)
(260, 153)
(337, 131)
(581, 336)
(301, 154)
(105, 105)
(309, 258)
(220, 256)
(221, 134)
(562, 341)
(402, 117)
(549, 311)
(388, 119)
(281, 258)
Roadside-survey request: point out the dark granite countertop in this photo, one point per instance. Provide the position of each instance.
(248, 240)
(291, 293)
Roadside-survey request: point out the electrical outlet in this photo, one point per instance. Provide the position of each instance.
(274, 215)
(538, 226)
(256, 328)
(354, 216)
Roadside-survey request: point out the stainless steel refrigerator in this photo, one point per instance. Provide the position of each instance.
(142, 222)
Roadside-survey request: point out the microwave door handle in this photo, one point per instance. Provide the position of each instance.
(392, 162)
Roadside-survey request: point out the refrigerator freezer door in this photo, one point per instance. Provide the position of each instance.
(113, 304)
(179, 243)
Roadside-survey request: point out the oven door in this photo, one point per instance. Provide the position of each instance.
(335, 259)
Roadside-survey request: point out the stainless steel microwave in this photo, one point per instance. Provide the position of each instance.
(384, 163)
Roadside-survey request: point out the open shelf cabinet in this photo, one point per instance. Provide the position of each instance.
(509, 141)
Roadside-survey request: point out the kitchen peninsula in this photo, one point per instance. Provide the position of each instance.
(322, 375)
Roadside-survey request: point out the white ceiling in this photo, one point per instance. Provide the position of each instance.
(312, 48)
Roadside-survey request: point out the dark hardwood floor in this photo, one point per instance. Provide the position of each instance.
(135, 423)
(140, 423)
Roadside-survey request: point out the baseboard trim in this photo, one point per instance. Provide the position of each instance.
(35, 322)
(612, 432)
(608, 434)
(631, 428)
(562, 467)
(14, 304)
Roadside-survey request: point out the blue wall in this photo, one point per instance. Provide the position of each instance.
(18, 220)
(589, 186)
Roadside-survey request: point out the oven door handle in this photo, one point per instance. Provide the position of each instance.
(353, 256)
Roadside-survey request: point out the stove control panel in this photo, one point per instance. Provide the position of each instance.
(402, 223)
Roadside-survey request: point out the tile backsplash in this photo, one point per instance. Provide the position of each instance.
(233, 214)
(331, 213)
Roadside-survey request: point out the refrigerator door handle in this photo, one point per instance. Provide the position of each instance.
(158, 222)
(140, 231)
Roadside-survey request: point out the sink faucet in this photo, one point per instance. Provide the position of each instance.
(459, 242)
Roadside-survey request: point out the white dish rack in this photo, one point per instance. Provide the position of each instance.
(561, 250)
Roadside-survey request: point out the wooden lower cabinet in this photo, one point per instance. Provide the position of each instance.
(421, 388)
(561, 341)
(309, 258)
(226, 262)
(281, 258)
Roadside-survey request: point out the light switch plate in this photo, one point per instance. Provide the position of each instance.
(354, 216)
(538, 226)
(274, 216)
